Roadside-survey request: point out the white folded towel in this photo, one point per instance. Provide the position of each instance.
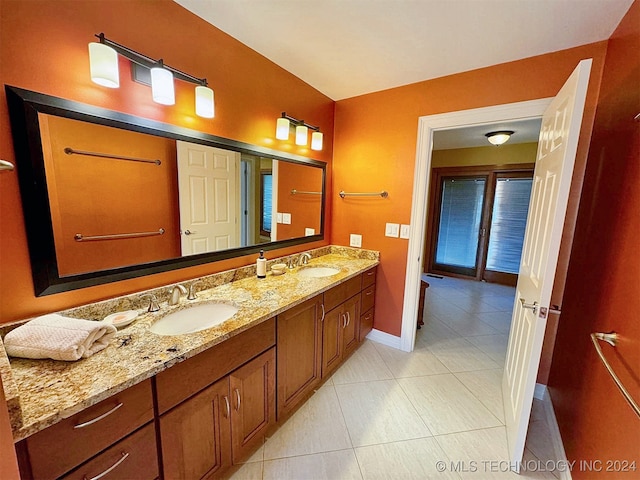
(57, 337)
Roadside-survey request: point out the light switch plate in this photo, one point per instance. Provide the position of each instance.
(405, 230)
(355, 240)
(309, 231)
(286, 218)
(278, 217)
(392, 230)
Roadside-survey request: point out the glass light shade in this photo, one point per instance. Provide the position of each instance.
(316, 141)
(162, 86)
(498, 138)
(204, 102)
(103, 62)
(282, 129)
(302, 134)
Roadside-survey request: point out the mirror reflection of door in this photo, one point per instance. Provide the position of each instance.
(478, 223)
(208, 185)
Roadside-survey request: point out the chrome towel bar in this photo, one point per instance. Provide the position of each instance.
(116, 236)
(301, 192)
(612, 339)
(71, 151)
(383, 194)
(4, 165)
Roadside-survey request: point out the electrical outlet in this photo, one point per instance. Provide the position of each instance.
(405, 230)
(278, 217)
(286, 218)
(309, 231)
(392, 230)
(355, 240)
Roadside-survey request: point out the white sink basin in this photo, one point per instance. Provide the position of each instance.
(193, 319)
(317, 272)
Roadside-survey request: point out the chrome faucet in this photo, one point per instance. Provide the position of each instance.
(304, 258)
(193, 290)
(292, 262)
(176, 292)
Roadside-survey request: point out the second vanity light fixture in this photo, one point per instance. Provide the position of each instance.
(103, 59)
(283, 127)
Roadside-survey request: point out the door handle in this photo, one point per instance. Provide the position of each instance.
(188, 232)
(228, 411)
(531, 306)
(237, 399)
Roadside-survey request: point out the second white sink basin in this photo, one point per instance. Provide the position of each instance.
(194, 319)
(317, 272)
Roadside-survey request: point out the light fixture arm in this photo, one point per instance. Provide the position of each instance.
(298, 123)
(148, 62)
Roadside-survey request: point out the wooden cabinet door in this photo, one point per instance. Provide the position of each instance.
(332, 337)
(299, 353)
(196, 435)
(253, 411)
(351, 309)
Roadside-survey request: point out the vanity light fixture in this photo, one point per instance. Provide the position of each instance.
(283, 128)
(499, 137)
(103, 59)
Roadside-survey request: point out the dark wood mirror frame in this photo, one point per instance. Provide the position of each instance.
(24, 107)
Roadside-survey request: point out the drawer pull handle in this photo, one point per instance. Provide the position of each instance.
(125, 455)
(344, 321)
(237, 399)
(348, 319)
(228, 412)
(369, 293)
(322, 305)
(97, 419)
(370, 273)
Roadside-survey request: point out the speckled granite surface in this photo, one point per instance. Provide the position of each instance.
(47, 391)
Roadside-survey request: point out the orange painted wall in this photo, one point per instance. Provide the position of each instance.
(603, 280)
(375, 145)
(43, 47)
(305, 210)
(104, 196)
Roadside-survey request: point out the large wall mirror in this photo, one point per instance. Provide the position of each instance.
(109, 196)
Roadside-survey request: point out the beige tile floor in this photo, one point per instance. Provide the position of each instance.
(387, 414)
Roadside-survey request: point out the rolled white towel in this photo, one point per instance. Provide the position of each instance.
(57, 337)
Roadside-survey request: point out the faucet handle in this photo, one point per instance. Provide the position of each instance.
(192, 290)
(153, 302)
(292, 263)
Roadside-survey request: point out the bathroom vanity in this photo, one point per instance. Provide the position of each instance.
(194, 405)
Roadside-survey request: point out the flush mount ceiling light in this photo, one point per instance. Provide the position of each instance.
(499, 137)
(103, 59)
(283, 128)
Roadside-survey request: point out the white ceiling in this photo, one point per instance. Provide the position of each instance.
(525, 131)
(346, 48)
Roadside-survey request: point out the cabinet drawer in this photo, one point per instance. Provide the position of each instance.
(342, 292)
(61, 447)
(181, 381)
(134, 457)
(366, 324)
(369, 277)
(368, 297)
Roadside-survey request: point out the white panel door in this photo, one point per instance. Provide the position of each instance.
(208, 186)
(549, 194)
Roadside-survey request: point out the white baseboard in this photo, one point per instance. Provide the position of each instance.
(385, 338)
(542, 393)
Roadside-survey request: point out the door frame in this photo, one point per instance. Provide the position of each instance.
(427, 125)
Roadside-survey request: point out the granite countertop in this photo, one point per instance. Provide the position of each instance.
(42, 392)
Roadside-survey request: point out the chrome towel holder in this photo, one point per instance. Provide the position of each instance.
(612, 339)
(4, 165)
(383, 194)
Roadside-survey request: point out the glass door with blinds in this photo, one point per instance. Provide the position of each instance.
(478, 222)
(460, 220)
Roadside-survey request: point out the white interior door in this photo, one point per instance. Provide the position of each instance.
(549, 194)
(208, 190)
